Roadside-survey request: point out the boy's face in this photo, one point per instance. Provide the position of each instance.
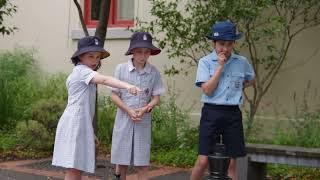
(141, 55)
(90, 59)
(224, 47)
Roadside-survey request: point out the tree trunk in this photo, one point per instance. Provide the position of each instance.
(101, 29)
(101, 32)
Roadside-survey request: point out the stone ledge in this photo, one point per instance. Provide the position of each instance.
(270, 149)
(112, 33)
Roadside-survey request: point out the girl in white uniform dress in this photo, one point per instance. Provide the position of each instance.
(74, 146)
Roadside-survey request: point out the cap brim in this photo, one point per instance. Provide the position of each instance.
(154, 50)
(104, 53)
(233, 38)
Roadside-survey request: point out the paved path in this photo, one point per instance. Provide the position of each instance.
(43, 170)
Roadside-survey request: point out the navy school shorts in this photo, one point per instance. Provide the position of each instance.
(222, 120)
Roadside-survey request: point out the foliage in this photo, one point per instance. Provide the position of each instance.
(30, 103)
(34, 136)
(106, 116)
(303, 130)
(17, 85)
(175, 157)
(169, 126)
(6, 9)
(39, 133)
(291, 172)
(269, 27)
(7, 141)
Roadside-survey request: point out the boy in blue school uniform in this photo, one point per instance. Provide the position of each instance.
(222, 76)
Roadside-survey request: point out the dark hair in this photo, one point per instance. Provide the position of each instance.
(75, 61)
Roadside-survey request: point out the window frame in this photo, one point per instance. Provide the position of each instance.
(113, 17)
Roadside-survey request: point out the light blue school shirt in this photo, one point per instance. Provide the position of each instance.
(229, 89)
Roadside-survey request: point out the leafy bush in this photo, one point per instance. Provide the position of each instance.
(303, 131)
(17, 86)
(54, 87)
(48, 113)
(34, 136)
(106, 117)
(291, 172)
(175, 157)
(8, 141)
(169, 126)
(174, 142)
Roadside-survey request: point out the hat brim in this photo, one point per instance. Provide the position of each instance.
(224, 38)
(154, 50)
(104, 53)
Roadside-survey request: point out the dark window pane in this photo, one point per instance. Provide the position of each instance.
(95, 9)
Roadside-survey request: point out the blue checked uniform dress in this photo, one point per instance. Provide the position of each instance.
(74, 142)
(229, 90)
(131, 142)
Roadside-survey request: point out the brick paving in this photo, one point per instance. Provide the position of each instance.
(43, 170)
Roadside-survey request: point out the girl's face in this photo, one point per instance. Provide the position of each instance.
(224, 47)
(141, 55)
(90, 59)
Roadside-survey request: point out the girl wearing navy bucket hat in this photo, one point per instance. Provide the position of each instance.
(222, 76)
(131, 138)
(74, 146)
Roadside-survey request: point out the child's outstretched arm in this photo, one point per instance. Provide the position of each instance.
(117, 100)
(113, 82)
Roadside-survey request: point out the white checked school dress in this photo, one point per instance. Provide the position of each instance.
(131, 141)
(74, 143)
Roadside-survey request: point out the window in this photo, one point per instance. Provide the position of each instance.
(121, 13)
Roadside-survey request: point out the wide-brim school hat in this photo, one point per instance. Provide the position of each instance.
(90, 44)
(225, 31)
(142, 40)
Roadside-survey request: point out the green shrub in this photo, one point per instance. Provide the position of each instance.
(22, 84)
(175, 157)
(54, 87)
(276, 171)
(45, 116)
(48, 112)
(303, 131)
(174, 142)
(8, 141)
(106, 117)
(169, 125)
(34, 136)
(18, 87)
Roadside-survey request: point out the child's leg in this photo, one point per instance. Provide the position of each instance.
(143, 172)
(122, 170)
(199, 167)
(232, 170)
(73, 174)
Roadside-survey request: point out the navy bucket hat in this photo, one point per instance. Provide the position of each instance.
(90, 44)
(142, 40)
(224, 30)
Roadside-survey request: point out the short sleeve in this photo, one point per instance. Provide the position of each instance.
(249, 72)
(158, 87)
(116, 75)
(203, 74)
(86, 74)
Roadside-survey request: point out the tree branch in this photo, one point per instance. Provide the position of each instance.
(83, 24)
(101, 30)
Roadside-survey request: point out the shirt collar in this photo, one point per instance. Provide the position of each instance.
(147, 67)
